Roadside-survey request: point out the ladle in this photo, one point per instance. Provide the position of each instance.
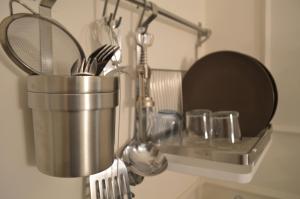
(141, 156)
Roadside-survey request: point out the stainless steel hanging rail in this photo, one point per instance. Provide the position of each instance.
(202, 31)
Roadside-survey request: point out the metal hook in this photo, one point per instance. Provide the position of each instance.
(144, 24)
(118, 22)
(143, 13)
(116, 9)
(112, 16)
(104, 8)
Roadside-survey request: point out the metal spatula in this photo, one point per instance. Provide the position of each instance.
(111, 183)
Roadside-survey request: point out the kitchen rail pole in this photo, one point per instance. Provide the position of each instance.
(202, 31)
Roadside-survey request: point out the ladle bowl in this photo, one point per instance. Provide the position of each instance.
(144, 159)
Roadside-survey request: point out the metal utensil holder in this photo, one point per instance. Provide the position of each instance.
(73, 122)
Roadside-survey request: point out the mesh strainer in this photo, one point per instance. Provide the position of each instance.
(38, 45)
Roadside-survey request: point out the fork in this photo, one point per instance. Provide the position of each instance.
(104, 59)
(86, 67)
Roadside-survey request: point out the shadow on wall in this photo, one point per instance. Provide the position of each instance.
(26, 112)
(86, 188)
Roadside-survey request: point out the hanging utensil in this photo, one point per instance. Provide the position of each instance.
(79, 68)
(102, 61)
(111, 183)
(89, 67)
(107, 31)
(140, 155)
(115, 38)
(20, 39)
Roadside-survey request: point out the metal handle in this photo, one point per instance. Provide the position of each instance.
(145, 23)
(20, 3)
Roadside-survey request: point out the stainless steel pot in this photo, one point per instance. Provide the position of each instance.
(73, 120)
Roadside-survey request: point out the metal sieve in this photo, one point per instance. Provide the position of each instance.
(37, 44)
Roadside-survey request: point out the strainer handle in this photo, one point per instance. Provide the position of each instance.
(22, 4)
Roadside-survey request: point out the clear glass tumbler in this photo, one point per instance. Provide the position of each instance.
(198, 123)
(168, 128)
(225, 124)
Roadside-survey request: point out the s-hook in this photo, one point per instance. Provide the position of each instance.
(111, 20)
(154, 13)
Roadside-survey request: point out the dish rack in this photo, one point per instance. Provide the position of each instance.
(234, 162)
(231, 162)
(246, 152)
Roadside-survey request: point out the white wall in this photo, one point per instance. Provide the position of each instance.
(283, 52)
(173, 48)
(236, 25)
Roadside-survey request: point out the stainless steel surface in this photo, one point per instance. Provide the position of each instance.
(245, 152)
(144, 40)
(112, 35)
(111, 19)
(107, 31)
(116, 10)
(95, 62)
(81, 69)
(104, 8)
(72, 102)
(103, 60)
(144, 159)
(71, 84)
(112, 183)
(135, 179)
(165, 88)
(145, 23)
(46, 37)
(97, 54)
(140, 155)
(76, 65)
(20, 39)
(73, 123)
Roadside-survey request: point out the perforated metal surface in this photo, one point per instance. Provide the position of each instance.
(21, 38)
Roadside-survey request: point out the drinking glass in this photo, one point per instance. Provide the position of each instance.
(168, 128)
(225, 124)
(198, 123)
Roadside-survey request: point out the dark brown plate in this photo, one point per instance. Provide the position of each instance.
(228, 80)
